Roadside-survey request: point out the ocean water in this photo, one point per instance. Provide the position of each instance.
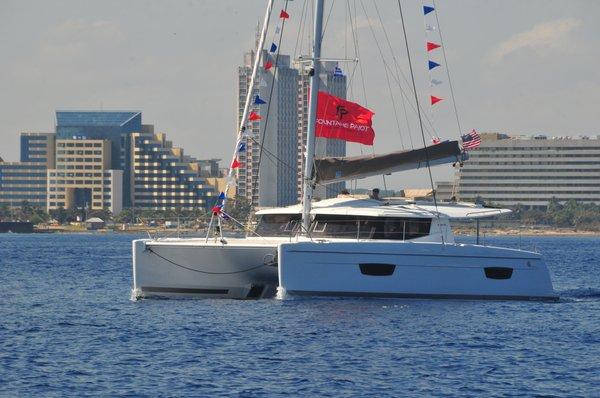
(68, 328)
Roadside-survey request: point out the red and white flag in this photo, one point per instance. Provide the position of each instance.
(471, 140)
(344, 120)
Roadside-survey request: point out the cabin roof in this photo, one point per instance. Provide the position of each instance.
(390, 208)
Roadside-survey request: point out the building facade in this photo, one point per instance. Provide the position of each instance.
(26, 180)
(272, 176)
(267, 176)
(163, 178)
(531, 171)
(83, 178)
(332, 83)
(115, 126)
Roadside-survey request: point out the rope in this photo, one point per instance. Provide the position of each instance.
(437, 21)
(264, 134)
(412, 75)
(202, 272)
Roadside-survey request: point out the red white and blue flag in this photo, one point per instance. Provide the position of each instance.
(471, 140)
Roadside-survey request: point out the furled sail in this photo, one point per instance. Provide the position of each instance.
(334, 169)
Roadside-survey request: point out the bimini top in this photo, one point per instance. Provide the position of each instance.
(391, 208)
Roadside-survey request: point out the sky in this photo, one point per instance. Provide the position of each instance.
(519, 67)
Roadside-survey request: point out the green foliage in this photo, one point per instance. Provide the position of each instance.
(571, 214)
(239, 208)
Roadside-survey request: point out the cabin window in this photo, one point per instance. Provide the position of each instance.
(278, 224)
(362, 227)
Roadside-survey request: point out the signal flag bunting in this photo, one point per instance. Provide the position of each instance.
(435, 100)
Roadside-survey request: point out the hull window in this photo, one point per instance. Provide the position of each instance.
(375, 269)
(498, 272)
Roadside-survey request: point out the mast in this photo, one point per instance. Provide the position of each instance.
(312, 116)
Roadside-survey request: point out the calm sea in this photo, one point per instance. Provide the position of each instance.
(68, 328)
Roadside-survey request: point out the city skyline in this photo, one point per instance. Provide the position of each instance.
(535, 74)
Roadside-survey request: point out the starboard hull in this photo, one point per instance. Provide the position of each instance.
(412, 270)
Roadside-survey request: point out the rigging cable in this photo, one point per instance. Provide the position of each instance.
(437, 21)
(412, 75)
(386, 66)
(270, 98)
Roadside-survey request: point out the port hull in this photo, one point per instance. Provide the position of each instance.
(196, 268)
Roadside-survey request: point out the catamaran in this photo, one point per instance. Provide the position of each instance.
(345, 246)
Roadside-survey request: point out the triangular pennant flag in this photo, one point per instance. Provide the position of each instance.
(222, 195)
(241, 147)
(430, 28)
(216, 210)
(254, 116)
(268, 65)
(277, 30)
(432, 46)
(273, 47)
(435, 82)
(435, 100)
(427, 9)
(284, 14)
(259, 101)
(263, 82)
(235, 164)
(433, 65)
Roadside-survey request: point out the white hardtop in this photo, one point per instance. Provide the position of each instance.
(348, 205)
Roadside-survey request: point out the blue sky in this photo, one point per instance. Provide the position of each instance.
(518, 67)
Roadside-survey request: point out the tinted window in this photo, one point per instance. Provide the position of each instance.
(387, 228)
(278, 224)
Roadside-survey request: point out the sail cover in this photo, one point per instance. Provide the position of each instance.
(329, 170)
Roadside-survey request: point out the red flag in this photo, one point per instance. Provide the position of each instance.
(254, 116)
(344, 120)
(216, 210)
(284, 14)
(435, 100)
(268, 65)
(235, 164)
(432, 46)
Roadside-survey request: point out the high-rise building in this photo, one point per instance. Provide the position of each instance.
(531, 171)
(115, 126)
(267, 176)
(83, 178)
(272, 176)
(26, 180)
(333, 82)
(163, 178)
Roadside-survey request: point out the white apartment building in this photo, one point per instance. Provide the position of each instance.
(531, 171)
(278, 179)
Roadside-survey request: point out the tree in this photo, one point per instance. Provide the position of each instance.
(239, 208)
(5, 211)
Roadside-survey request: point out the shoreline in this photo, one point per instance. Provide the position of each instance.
(459, 231)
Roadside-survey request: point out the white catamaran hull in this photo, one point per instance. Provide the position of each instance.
(196, 268)
(412, 270)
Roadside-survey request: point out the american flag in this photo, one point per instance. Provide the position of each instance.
(471, 140)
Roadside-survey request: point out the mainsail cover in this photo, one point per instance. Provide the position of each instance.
(334, 169)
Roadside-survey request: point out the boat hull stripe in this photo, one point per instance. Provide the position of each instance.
(156, 289)
(424, 296)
